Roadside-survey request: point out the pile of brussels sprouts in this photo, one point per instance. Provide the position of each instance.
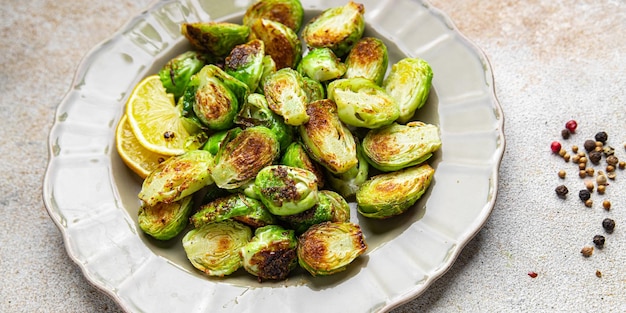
(282, 151)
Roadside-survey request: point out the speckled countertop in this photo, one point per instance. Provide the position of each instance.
(552, 60)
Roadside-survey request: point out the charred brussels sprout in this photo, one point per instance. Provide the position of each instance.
(287, 12)
(368, 59)
(177, 177)
(397, 146)
(177, 72)
(285, 94)
(331, 207)
(215, 248)
(286, 190)
(321, 64)
(362, 103)
(216, 38)
(347, 183)
(235, 206)
(336, 28)
(239, 161)
(409, 83)
(164, 221)
(327, 140)
(271, 253)
(256, 112)
(245, 62)
(281, 42)
(390, 194)
(295, 155)
(329, 247)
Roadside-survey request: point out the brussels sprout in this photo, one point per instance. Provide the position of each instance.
(269, 68)
(287, 12)
(245, 62)
(327, 140)
(390, 194)
(216, 38)
(164, 221)
(239, 161)
(286, 190)
(177, 72)
(362, 103)
(271, 253)
(331, 207)
(218, 139)
(368, 59)
(314, 90)
(397, 146)
(336, 28)
(409, 83)
(177, 177)
(285, 94)
(328, 248)
(295, 155)
(281, 42)
(256, 112)
(215, 248)
(347, 183)
(232, 206)
(321, 64)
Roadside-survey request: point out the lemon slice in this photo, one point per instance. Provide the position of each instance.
(139, 159)
(154, 119)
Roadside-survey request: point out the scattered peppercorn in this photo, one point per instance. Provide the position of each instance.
(601, 137)
(610, 168)
(587, 251)
(562, 152)
(622, 165)
(589, 145)
(588, 203)
(565, 133)
(582, 173)
(601, 178)
(561, 191)
(582, 160)
(601, 189)
(611, 175)
(590, 171)
(589, 185)
(555, 146)
(562, 174)
(571, 126)
(599, 240)
(608, 150)
(582, 166)
(612, 160)
(595, 156)
(608, 225)
(575, 148)
(584, 194)
(598, 274)
(606, 204)
(599, 145)
(566, 157)
(532, 274)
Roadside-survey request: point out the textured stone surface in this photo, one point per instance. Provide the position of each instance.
(552, 61)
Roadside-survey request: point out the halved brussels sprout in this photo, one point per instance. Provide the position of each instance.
(347, 183)
(314, 90)
(397, 146)
(218, 139)
(368, 59)
(286, 190)
(269, 68)
(328, 248)
(331, 207)
(234, 206)
(285, 94)
(239, 161)
(256, 112)
(336, 28)
(245, 62)
(165, 221)
(327, 140)
(409, 83)
(215, 248)
(390, 194)
(271, 253)
(287, 12)
(177, 72)
(177, 177)
(281, 42)
(321, 64)
(216, 38)
(362, 103)
(295, 155)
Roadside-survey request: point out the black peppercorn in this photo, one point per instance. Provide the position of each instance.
(598, 240)
(589, 145)
(584, 194)
(565, 133)
(602, 137)
(595, 156)
(561, 191)
(608, 225)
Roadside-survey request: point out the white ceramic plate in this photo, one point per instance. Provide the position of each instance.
(92, 196)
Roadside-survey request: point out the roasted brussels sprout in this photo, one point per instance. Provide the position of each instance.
(336, 28)
(329, 247)
(164, 221)
(409, 83)
(177, 72)
(327, 140)
(331, 207)
(269, 68)
(256, 112)
(234, 206)
(362, 103)
(286, 190)
(220, 138)
(177, 177)
(347, 183)
(397, 146)
(368, 59)
(281, 42)
(295, 155)
(287, 12)
(314, 90)
(245, 62)
(321, 64)
(271, 253)
(285, 94)
(215, 248)
(216, 38)
(390, 194)
(240, 159)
